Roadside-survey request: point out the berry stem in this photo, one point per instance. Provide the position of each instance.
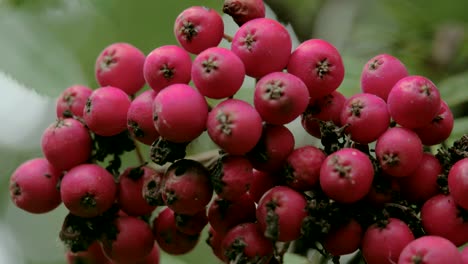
(227, 37)
(140, 158)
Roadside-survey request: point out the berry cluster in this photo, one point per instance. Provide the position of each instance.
(369, 186)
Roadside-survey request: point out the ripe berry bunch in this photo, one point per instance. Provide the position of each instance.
(371, 185)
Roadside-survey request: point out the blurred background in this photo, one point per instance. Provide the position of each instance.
(48, 45)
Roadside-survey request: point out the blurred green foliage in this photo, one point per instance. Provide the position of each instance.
(51, 44)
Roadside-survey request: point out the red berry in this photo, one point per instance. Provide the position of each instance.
(414, 102)
(303, 167)
(363, 109)
(399, 151)
(243, 11)
(198, 28)
(140, 118)
(166, 65)
(440, 127)
(214, 241)
(344, 239)
(430, 250)
(153, 188)
(234, 177)
(66, 143)
(191, 224)
(88, 190)
(180, 113)
(346, 175)
(458, 182)
(262, 182)
(256, 41)
(33, 186)
(93, 255)
(217, 73)
(130, 186)
(319, 65)
(121, 65)
(133, 240)
(380, 73)
(280, 213)
(106, 111)
(383, 244)
(280, 97)
(187, 187)
(225, 214)
(72, 101)
(235, 126)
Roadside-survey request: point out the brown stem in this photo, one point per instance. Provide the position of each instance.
(227, 37)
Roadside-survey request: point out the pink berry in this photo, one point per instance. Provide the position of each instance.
(344, 239)
(140, 118)
(430, 250)
(217, 73)
(262, 182)
(106, 111)
(363, 109)
(198, 28)
(243, 11)
(399, 151)
(191, 224)
(166, 65)
(464, 255)
(280, 213)
(441, 216)
(33, 186)
(319, 65)
(303, 167)
(380, 73)
(346, 175)
(326, 108)
(414, 102)
(72, 101)
(88, 190)
(130, 186)
(382, 244)
(121, 65)
(235, 126)
(440, 127)
(256, 41)
(280, 97)
(133, 242)
(458, 182)
(66, 143)
(180, 113)
(234, 177)
(225, 214)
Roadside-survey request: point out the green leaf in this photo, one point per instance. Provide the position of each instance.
(453, 89)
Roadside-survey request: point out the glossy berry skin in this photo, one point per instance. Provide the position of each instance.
(363, 109)
(430, 250)
(168, 237)
(225, 214)
(72, 101)
(33, 186)
(280, 97)
(421, 185)
(302, 167)
(88, 190)
(399, 151)
(326, 108)
(289, 207)
(180, 113)
(344, 239)
(130, 185)
(234, 179)
(274, 146)
(380, 73)
(166, 65)
(133, 242)
(121, 65)
(140, 118)
(414, 101)
(243, 11)
(235, 126)
(440, 216)
(106, 111)
(66, 143)
(383, 244)
(256, 41)
(247, 243)
(440, 127)
(346, 175)
(187, 187)
(319, 65)
(198, 28)
(464, 255)
(191, 224)
(217, 73)
(458, 182)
